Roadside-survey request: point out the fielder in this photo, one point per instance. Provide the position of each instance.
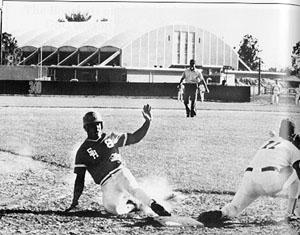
(275, 93)
(191, 77)
(180, 92)
(297, 95)
(202, 90)
(275, 165)
(99, 155)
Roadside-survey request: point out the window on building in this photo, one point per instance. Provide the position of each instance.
(184, 47)
(177, 46)
(191, 45)
(51, 73)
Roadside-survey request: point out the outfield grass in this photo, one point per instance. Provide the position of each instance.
(206, 153)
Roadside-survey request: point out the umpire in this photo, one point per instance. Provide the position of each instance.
(191, 77)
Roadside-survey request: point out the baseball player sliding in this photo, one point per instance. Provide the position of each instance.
(276, 164)
(99, 155)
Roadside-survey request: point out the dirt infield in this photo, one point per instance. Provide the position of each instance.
(22, 212)
(38, 136)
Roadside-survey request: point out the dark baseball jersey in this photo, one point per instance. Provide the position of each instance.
(100, 157)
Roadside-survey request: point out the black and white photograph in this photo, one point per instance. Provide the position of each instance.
(149, 117)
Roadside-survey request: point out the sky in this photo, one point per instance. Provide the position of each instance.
(274, 23)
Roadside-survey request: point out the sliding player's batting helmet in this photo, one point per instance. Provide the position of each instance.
(92, 117)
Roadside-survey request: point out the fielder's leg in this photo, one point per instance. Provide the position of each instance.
(293, 194)
(272, 99)
(243, 198)
(230, 210)
(240, 201)
(254, 185)
(202, 96)
(277, 99)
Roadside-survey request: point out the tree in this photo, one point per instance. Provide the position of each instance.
(272, 69)
(11, 54)
(76, 17)
(248, 52)
(296, 59)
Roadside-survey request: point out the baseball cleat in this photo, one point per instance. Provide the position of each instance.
(158, 209)
(291, 217)
(135, 206)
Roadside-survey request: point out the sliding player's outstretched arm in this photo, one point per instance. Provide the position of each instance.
(78, 188)
(139, 134)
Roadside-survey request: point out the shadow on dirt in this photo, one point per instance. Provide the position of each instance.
(237, 224)
(85, 213)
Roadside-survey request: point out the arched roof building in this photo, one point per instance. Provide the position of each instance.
(92, 44)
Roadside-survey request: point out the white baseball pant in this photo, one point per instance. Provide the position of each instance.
(268, 183)
(118, 189)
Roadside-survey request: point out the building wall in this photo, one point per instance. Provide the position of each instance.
(163, 47)
(176, 45)
(21, 72)
(153, 76)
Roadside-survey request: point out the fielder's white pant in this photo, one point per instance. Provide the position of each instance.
(118, 189)
(202, 96)
(275, 99)
(180, 96)
(268, 183)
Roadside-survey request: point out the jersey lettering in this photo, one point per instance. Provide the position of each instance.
(115, 157)
(92, 153)
(271, 145)
(109, 143)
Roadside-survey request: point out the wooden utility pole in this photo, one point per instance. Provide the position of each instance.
(259, 75)
(1, 18)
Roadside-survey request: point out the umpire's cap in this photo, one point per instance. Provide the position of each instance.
(92, 117)
(287, 129)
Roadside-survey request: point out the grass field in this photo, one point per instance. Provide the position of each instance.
(203, 158)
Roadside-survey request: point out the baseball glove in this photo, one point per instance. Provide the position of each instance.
(210, 217)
